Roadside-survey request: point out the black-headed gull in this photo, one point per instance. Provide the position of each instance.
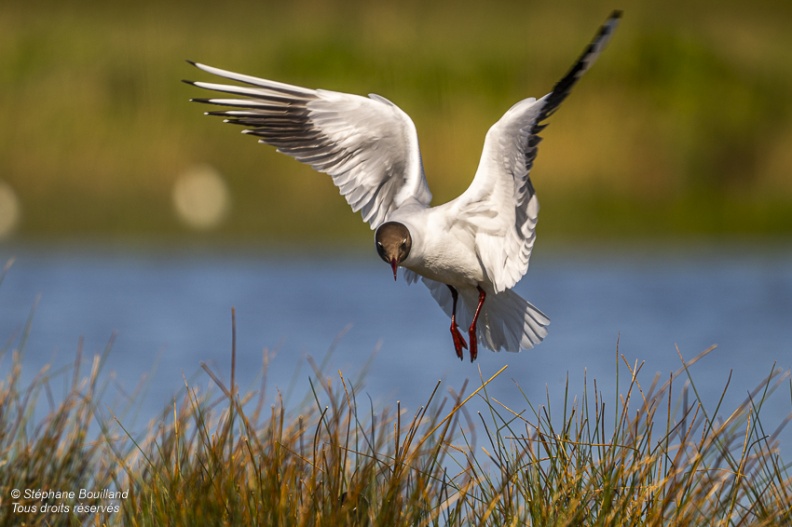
(470, 252)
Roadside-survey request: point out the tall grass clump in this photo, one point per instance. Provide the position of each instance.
(237, 460)
(657, 457)
(642, 455)
(45, 436)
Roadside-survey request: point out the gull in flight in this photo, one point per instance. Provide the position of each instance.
(471, 251)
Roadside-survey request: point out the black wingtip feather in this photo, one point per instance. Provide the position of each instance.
(563, 87)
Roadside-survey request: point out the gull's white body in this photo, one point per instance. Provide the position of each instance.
(482, 239)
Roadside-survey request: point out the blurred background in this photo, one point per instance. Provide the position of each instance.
(684, 127)
(664, 181)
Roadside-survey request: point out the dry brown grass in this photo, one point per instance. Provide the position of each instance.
(656, 456)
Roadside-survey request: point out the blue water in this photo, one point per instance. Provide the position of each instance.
(170, 310)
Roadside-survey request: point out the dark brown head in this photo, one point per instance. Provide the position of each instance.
(393, 243)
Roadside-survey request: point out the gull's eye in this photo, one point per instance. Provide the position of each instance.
(381, 251)
(404, 248)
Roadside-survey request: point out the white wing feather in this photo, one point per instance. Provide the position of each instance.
(500, 203)
(501, 200)
(369, 146)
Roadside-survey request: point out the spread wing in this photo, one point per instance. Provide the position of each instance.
(501, 204)
(367, 145)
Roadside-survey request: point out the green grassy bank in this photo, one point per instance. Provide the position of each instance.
(683, 127)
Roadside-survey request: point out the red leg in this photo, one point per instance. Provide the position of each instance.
(472, 330)
(459, 341)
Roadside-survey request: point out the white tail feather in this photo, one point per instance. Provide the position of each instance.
(506, 322)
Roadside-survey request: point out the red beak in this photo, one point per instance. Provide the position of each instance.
(394, 266)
